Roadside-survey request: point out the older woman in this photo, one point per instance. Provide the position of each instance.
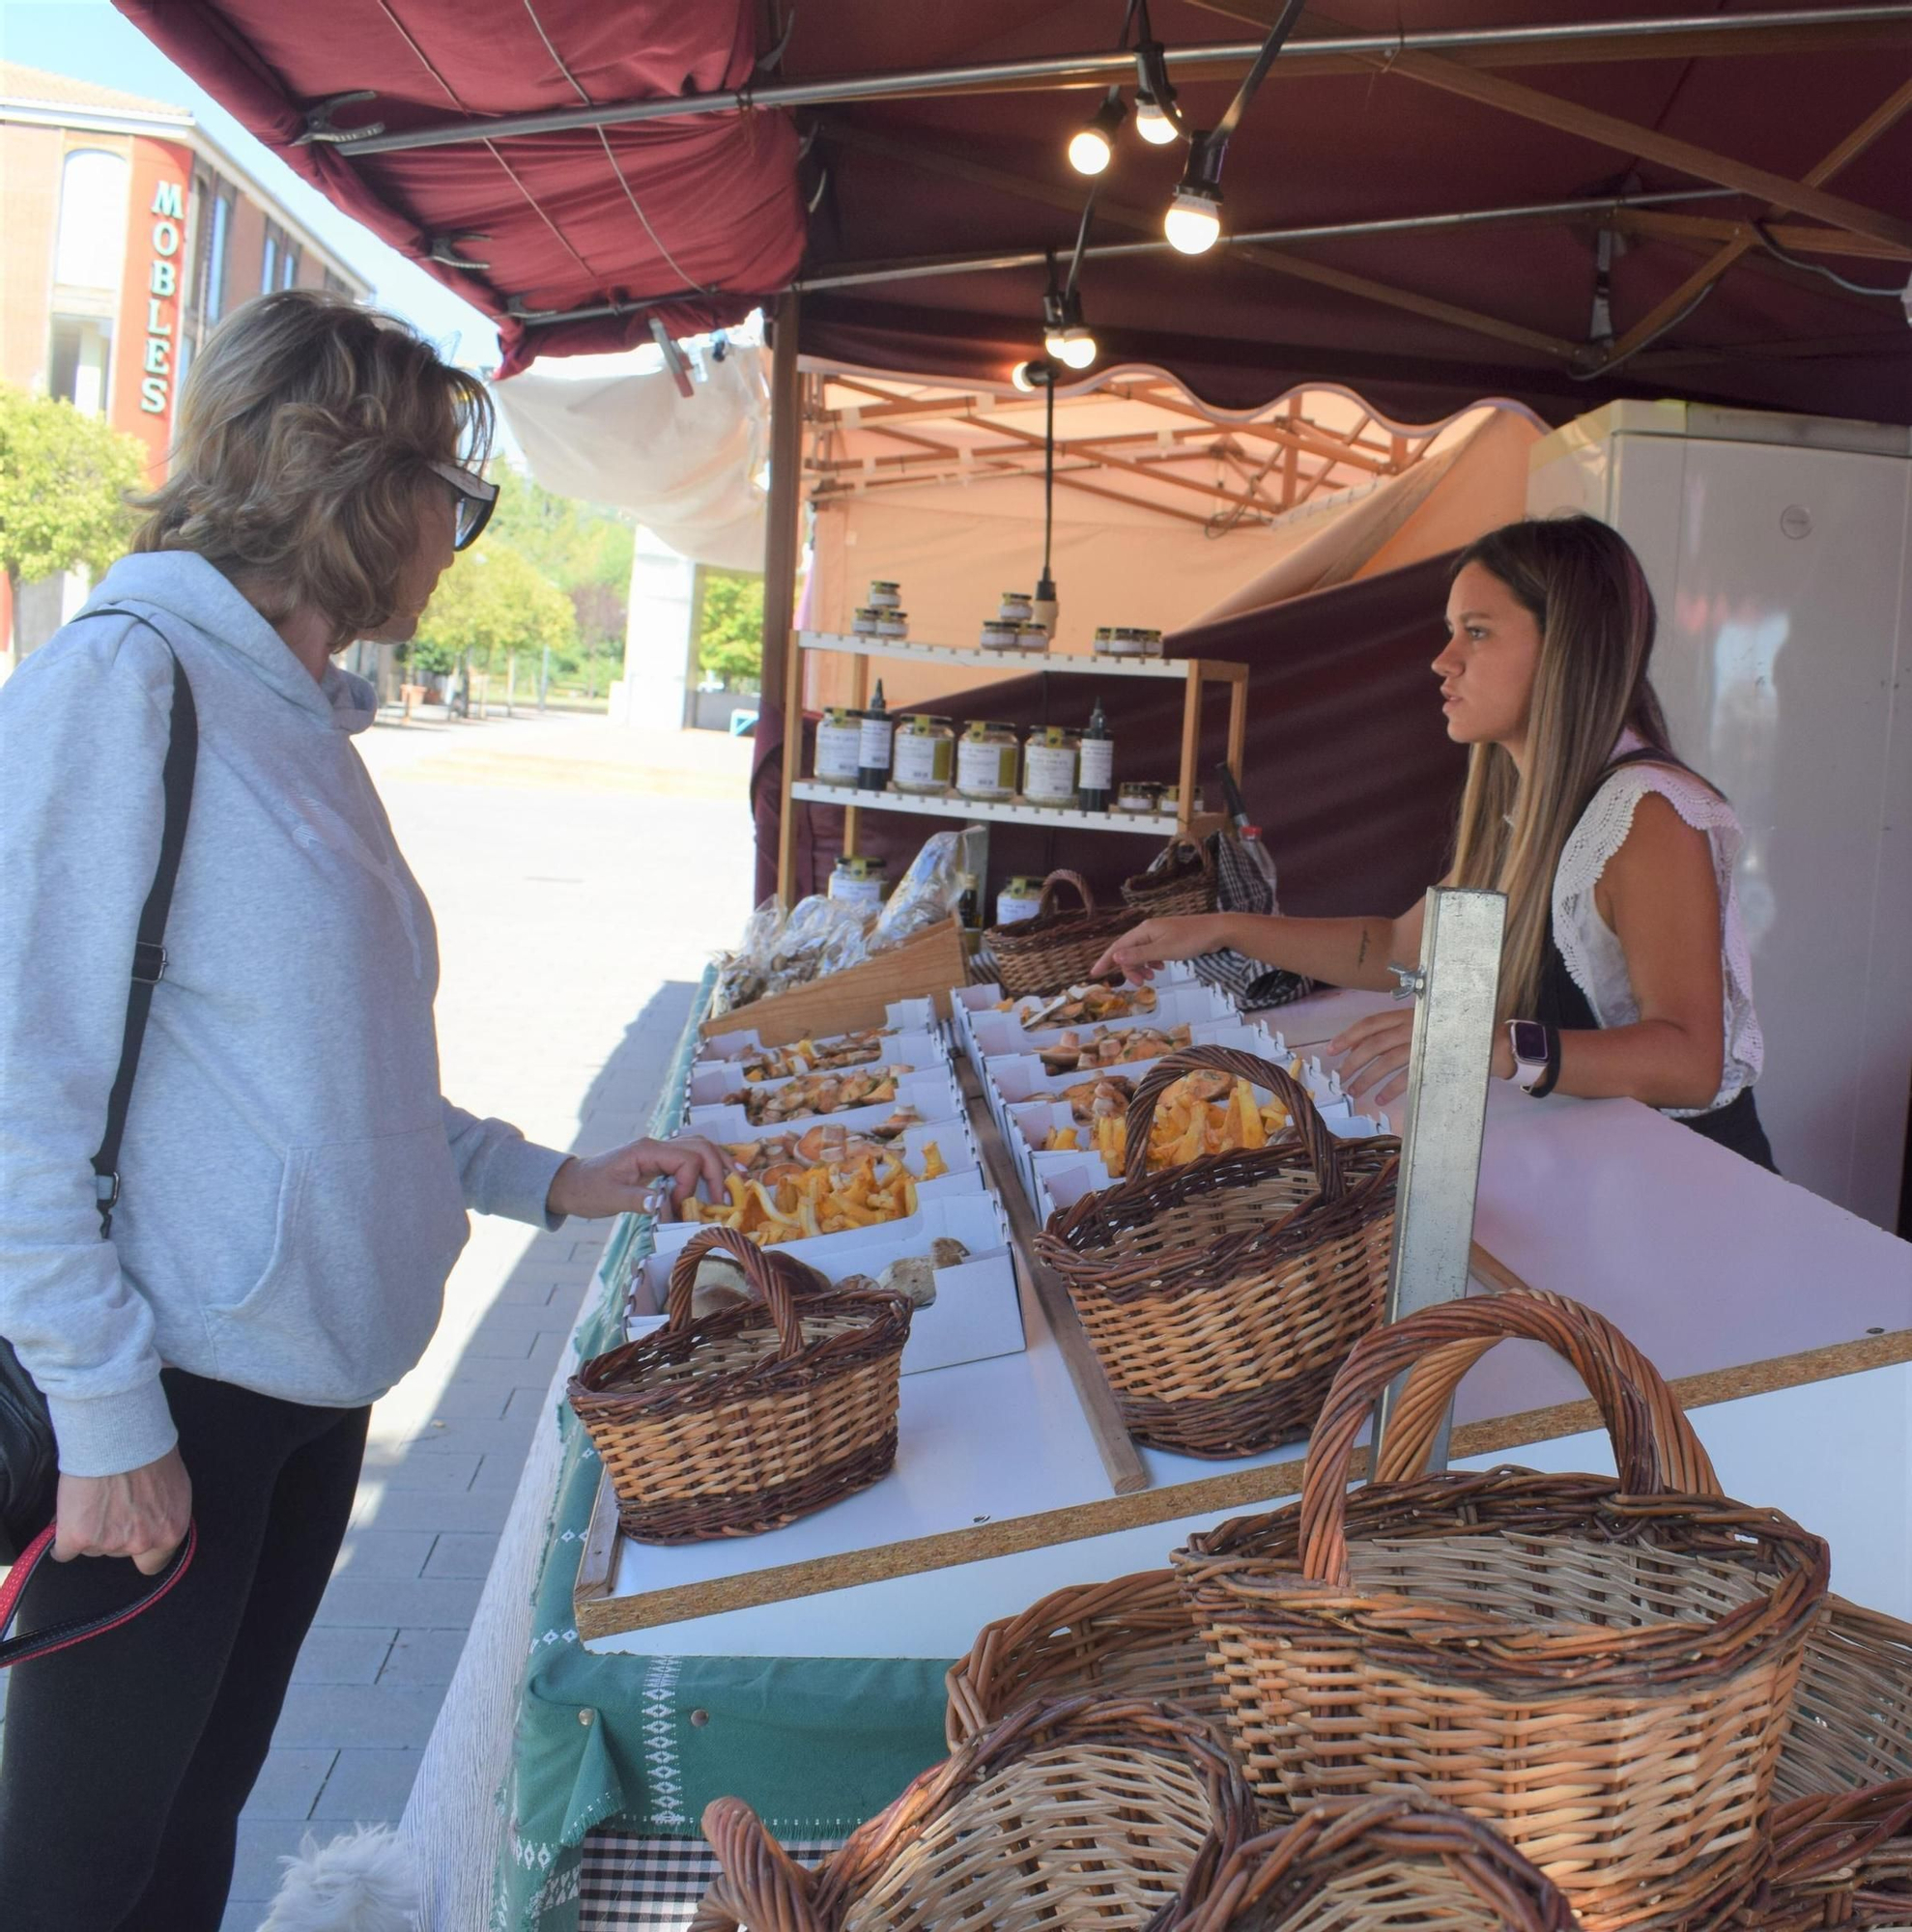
(294, 1187)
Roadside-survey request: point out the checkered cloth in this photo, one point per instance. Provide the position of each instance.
(1240, 885)
(629, 1883)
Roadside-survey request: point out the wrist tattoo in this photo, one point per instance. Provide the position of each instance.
(1361, 957)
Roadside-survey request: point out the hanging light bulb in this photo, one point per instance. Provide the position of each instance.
(1153, 125)
(1033, 374)
(1055, 326)
(1193, 222)
(1078, 347)
(1093, 145)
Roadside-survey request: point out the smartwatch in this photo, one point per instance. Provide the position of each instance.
(1531, 1054)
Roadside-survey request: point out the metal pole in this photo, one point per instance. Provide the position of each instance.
(1090, 69)
(510, 683)
(1336, 231)
(1449, 1062)
(544, 678)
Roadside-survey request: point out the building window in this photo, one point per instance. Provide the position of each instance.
(91, 250)
(212, 263)
(81, 356)
(289, 265)
(268, 262)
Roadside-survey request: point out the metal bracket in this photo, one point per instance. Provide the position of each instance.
(319, 127)
(444, 249)
(1444, 1112)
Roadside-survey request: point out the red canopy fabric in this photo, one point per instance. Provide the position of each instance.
(705, 215)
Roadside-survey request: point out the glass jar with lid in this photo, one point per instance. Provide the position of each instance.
(885, 594)
(865, 623)
(923, 757)
(1032, 637)
(999, 633)
(1018, 607)
(987, 755)
(838, 736)
(1104, 645)
(1021, 899)
(1138, 795)
(1152, 643)
(1049, 767)
(862, 883)
(1171, 801)
(892, 623)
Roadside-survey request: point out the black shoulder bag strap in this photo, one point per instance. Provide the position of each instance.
(149, 952)
(29, 1462)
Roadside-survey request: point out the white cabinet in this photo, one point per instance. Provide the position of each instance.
(1777, 552)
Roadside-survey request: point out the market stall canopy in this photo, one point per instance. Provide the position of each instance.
(689, 467)
(1643, 200)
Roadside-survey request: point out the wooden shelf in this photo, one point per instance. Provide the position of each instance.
(1156, 824)
(1015, 663)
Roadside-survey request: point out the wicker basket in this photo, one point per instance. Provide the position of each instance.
(708, 1430)
(1222, 1296)
(1180, 880)
(1604, 1670)
(1056, 949)
(1841, 1859)
(1076, 1812)
(1379, 1864)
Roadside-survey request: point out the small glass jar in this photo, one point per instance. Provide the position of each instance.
(885, 595)
(1152, 643)
(923, 757)
(1032, 637)
(1104, 645)
(987, 755)
(862, 883)
(866, 623)
(1000, 635)
(1021, 899)
(838, 736)
(1018, 607)
(892, 624)
(1125, 642)
(1172, 801)
(1049, 767)
(1138, 795)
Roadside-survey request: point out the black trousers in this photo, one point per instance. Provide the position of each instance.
(126, 1761)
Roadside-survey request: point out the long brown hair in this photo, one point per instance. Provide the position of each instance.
(305, 427)
(1586, 591)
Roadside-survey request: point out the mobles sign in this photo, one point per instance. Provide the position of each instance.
(163, 287)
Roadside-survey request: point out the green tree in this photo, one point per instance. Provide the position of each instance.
(730, 628)
(493, 601)
(64, 479)
(580, 547)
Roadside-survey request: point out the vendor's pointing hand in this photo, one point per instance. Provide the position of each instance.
(625, 1180)
(1137, 953)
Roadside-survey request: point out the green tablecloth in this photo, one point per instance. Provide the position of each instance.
(816, 1744)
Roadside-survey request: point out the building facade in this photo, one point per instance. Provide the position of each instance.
(128, 234)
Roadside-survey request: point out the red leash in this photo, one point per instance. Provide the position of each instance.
(75, 1629)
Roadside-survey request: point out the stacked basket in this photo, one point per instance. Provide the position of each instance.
(1056, 949)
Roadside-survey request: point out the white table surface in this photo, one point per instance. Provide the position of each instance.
(1706, 1262)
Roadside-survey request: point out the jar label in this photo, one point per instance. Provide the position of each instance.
(1049, 773)
(874, 744)
(864, 894)
(922, 759)
(837, 746)
(1097, 763)
(984, 769)
(1009, 911)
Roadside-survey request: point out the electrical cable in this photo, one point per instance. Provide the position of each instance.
(1786, 255)
(1613, 362)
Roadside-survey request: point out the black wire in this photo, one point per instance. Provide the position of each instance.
(1252, 79)
(1081, 240)
(1048, 472)
(1819, 268)
(1607, 368)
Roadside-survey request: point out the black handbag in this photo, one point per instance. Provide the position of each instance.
(29, 1458)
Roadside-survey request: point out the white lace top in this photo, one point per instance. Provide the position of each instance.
(1588, 943)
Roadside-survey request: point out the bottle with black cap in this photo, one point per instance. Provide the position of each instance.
(873, 754)
(1095, 772)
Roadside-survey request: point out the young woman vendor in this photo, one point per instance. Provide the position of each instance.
(1624, 970)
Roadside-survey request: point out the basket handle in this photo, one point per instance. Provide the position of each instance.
(1043, 907)
(761, 1270)
(1324, 1157)
(762, 1884)
(1681, 1463)
(1385, 1352)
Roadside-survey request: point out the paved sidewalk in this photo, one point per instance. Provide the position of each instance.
(580, 874)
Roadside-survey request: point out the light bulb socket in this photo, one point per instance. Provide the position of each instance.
(1155, 97)
(1038, 373)
(1100, 129)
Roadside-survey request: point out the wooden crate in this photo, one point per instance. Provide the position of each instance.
(925, 967)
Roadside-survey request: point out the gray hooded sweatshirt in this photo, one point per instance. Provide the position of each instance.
(295, 1189)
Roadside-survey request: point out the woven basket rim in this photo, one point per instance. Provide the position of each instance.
(1456, 1644)
(605, 1381)
(1195, 1272)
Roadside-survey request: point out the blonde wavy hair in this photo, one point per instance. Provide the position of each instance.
(305, 428)
(1583, 586)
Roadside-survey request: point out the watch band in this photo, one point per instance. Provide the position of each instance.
(1549, 1079)
(1528, 1070)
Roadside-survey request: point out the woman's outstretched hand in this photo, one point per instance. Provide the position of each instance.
(1137, 953)
(622, 1180)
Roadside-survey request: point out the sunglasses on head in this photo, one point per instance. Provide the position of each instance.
(474, 499)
